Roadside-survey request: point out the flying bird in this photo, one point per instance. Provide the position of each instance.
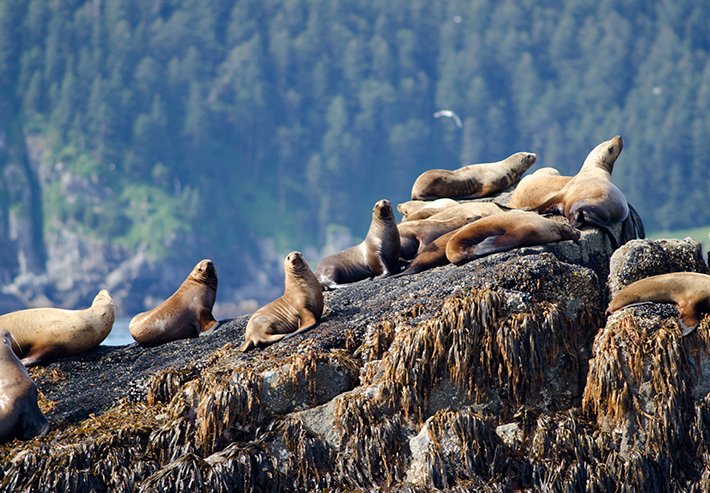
(450, 114)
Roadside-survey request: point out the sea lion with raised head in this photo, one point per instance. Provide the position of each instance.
(298, 310)
(20, 417)
(690, 291)
(590, 197)
(474, 180)
(187, 313)
(42, 334)
(503, 232)
(376, 256)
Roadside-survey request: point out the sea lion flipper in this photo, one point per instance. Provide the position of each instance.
(210, 329)
(689, 316)
(590, 217)
(31, 360)
(34, 424)
(497, 243)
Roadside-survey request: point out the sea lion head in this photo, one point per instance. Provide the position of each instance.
(295, 262)
(383, 209)
(205, 272)
(528, 159)
(6, 337)
(604, 155)
(103, 297)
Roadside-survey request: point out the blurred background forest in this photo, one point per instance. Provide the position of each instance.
(156, 133)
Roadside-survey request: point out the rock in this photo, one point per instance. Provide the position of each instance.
(639, 259)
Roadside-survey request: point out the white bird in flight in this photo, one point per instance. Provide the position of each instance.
(450, 114)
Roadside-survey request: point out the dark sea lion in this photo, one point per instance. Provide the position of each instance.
(421, 209)
(20, 416)
(187, 313)
(690, 291)
(298, 310)
(377, 256)
(42, 334)
(590, 197)
(503, 232)
(474, 180)
(534, 189)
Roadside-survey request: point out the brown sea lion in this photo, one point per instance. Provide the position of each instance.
(20, 416)
(376, 256)
(474, 180)
(534, 189)
(690, 291)
(421, 209)
(187, 313)
(298, 310)
(42, 334)
(415, 236)
(503, 232)
(590, 197)
(433, 255)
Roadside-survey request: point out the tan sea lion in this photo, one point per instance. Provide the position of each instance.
(503, 232)
(42, 334)
(298, 310)
(187, 313)
(421, 209)
(534, 189)
(20, 416)
(474, 180)
(590, 197)
(690, 291)
(376, 256)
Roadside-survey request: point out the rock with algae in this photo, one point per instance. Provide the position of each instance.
(404, 386)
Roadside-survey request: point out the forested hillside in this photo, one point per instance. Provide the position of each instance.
(202, 125)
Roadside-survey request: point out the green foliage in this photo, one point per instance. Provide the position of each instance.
(229, 119)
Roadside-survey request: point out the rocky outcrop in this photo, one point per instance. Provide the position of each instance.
(498, 375)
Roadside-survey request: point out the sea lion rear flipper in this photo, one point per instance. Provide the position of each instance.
(637, 222)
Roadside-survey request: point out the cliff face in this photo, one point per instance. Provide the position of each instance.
(497, 375)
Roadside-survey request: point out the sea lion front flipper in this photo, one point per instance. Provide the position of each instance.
(300, 331)
(210, 329)
(689, 317)
(31, 360)
(34, 424)
(590, 217)
(498, 243)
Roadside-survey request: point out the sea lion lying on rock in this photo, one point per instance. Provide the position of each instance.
(690, 291)
(474, 180)
(42, 334)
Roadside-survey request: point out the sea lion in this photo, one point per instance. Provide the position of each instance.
(420, 209)
(376, 256)
(474, 180)
(42, 334)
(416, 235)
(298, 310)
(20, 416)
(590, 197)
(690, 291)
(187, 313)
(433, 255)
(534, 189)
(503, 232)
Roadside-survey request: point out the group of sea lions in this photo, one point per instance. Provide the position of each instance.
(437, 229)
